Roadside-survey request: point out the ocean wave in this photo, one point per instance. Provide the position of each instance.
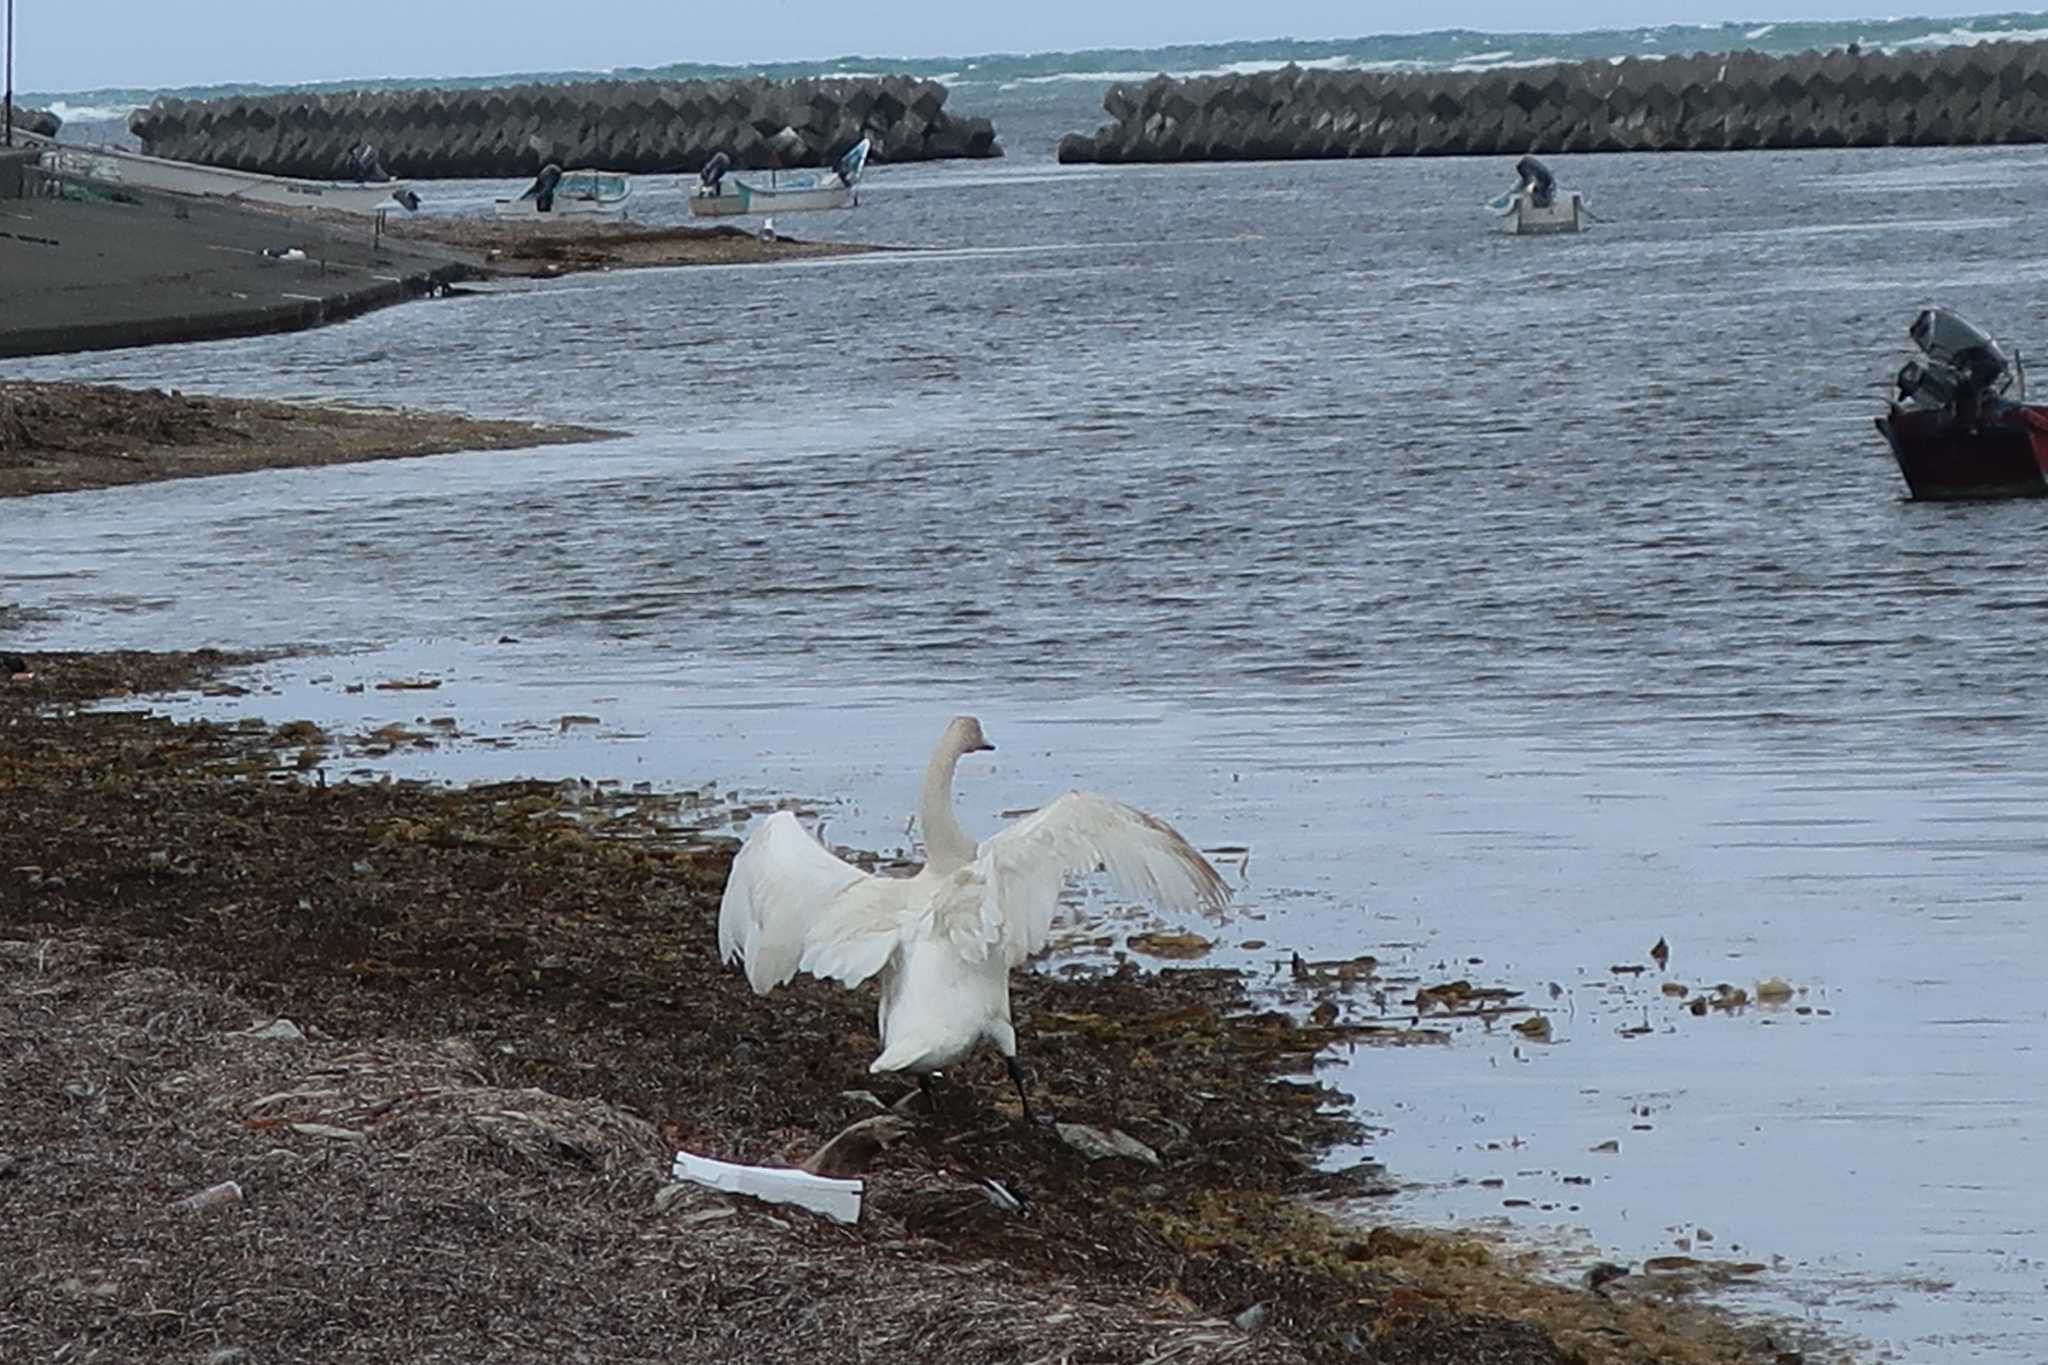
(90, 113)
(1971, 37)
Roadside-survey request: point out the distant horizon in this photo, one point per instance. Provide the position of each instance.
(1599, 19)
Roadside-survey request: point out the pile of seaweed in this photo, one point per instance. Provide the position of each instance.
(376, 1070)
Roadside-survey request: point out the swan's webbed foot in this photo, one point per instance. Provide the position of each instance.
(1016, 1071)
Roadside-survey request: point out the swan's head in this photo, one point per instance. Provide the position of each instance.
(963, 736)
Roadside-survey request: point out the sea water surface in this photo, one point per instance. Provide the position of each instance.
(1512, 605)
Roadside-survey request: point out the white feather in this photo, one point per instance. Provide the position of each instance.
(944, 940)
(781, 881)
(1024, 867)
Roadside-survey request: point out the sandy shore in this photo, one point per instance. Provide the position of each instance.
(525, 250)
(443, 1042)
(62, 437)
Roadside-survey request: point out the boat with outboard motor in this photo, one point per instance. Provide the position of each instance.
(1950, 424)
(831, 189)
(371, 191)
(1536, 205)
(556, 193)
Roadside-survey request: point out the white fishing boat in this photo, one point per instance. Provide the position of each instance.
(836, 188)
(1536, 205)
(556, 193)
(134, 170)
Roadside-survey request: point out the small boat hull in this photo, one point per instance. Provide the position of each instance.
(747, 198)
(1565, 212)
(112, 166)
(563, 208)
(577, 194)
(2005, 456)
(833, 188)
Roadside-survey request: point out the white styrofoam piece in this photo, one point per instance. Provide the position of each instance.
(836, 1199)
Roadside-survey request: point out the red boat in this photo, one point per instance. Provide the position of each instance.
(2004, 455)
(1952, 429)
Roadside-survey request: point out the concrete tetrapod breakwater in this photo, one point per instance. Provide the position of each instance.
(39, 121)
(1994, 93)
(616, 125)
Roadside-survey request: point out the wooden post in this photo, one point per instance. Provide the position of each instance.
(8, 99)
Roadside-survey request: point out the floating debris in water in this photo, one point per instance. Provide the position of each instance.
(1170, 944)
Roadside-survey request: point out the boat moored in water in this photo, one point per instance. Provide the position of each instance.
(832, 189)
(1536, 206)
(1951, 427)
(556, 193)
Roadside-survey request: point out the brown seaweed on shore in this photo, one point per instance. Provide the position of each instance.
(518, 248)
(59, 437)
(501, 1022)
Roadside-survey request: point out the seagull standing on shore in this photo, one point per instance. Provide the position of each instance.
(944, 940)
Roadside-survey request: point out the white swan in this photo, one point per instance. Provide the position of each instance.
(945, 939)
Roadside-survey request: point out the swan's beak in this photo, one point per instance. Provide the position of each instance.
(983, 748)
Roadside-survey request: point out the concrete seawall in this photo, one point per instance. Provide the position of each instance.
(97, 276)
(617, 125)
(1995, 93)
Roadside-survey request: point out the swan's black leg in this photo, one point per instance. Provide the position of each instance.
(931, 1097)
(1017, 1075)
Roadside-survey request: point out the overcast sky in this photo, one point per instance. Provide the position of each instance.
(85, 44)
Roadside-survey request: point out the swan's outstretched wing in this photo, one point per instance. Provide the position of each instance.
(791, 905)
(1021, 870)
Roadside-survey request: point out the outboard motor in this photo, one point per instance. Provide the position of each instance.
(714, 172)
(365, 165)
(1537, 180)
(1964, 366)
(542, 191)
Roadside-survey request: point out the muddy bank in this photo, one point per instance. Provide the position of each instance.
(58, 438)
(524, 250)
(504, 1011)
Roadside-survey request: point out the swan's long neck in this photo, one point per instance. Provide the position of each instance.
(946, 845)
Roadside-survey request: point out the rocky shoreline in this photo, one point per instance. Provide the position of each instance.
(635, 126)
(1726, 102)
(336, 1067)
(59, 438)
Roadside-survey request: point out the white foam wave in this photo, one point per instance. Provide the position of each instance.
(1260, 65)
(1256, 66)
(90, 113)
(1764, 32)
(1515, 64)
(1104, 77)
(1971, 37)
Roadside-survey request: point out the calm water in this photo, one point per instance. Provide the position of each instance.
(1516, 603)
